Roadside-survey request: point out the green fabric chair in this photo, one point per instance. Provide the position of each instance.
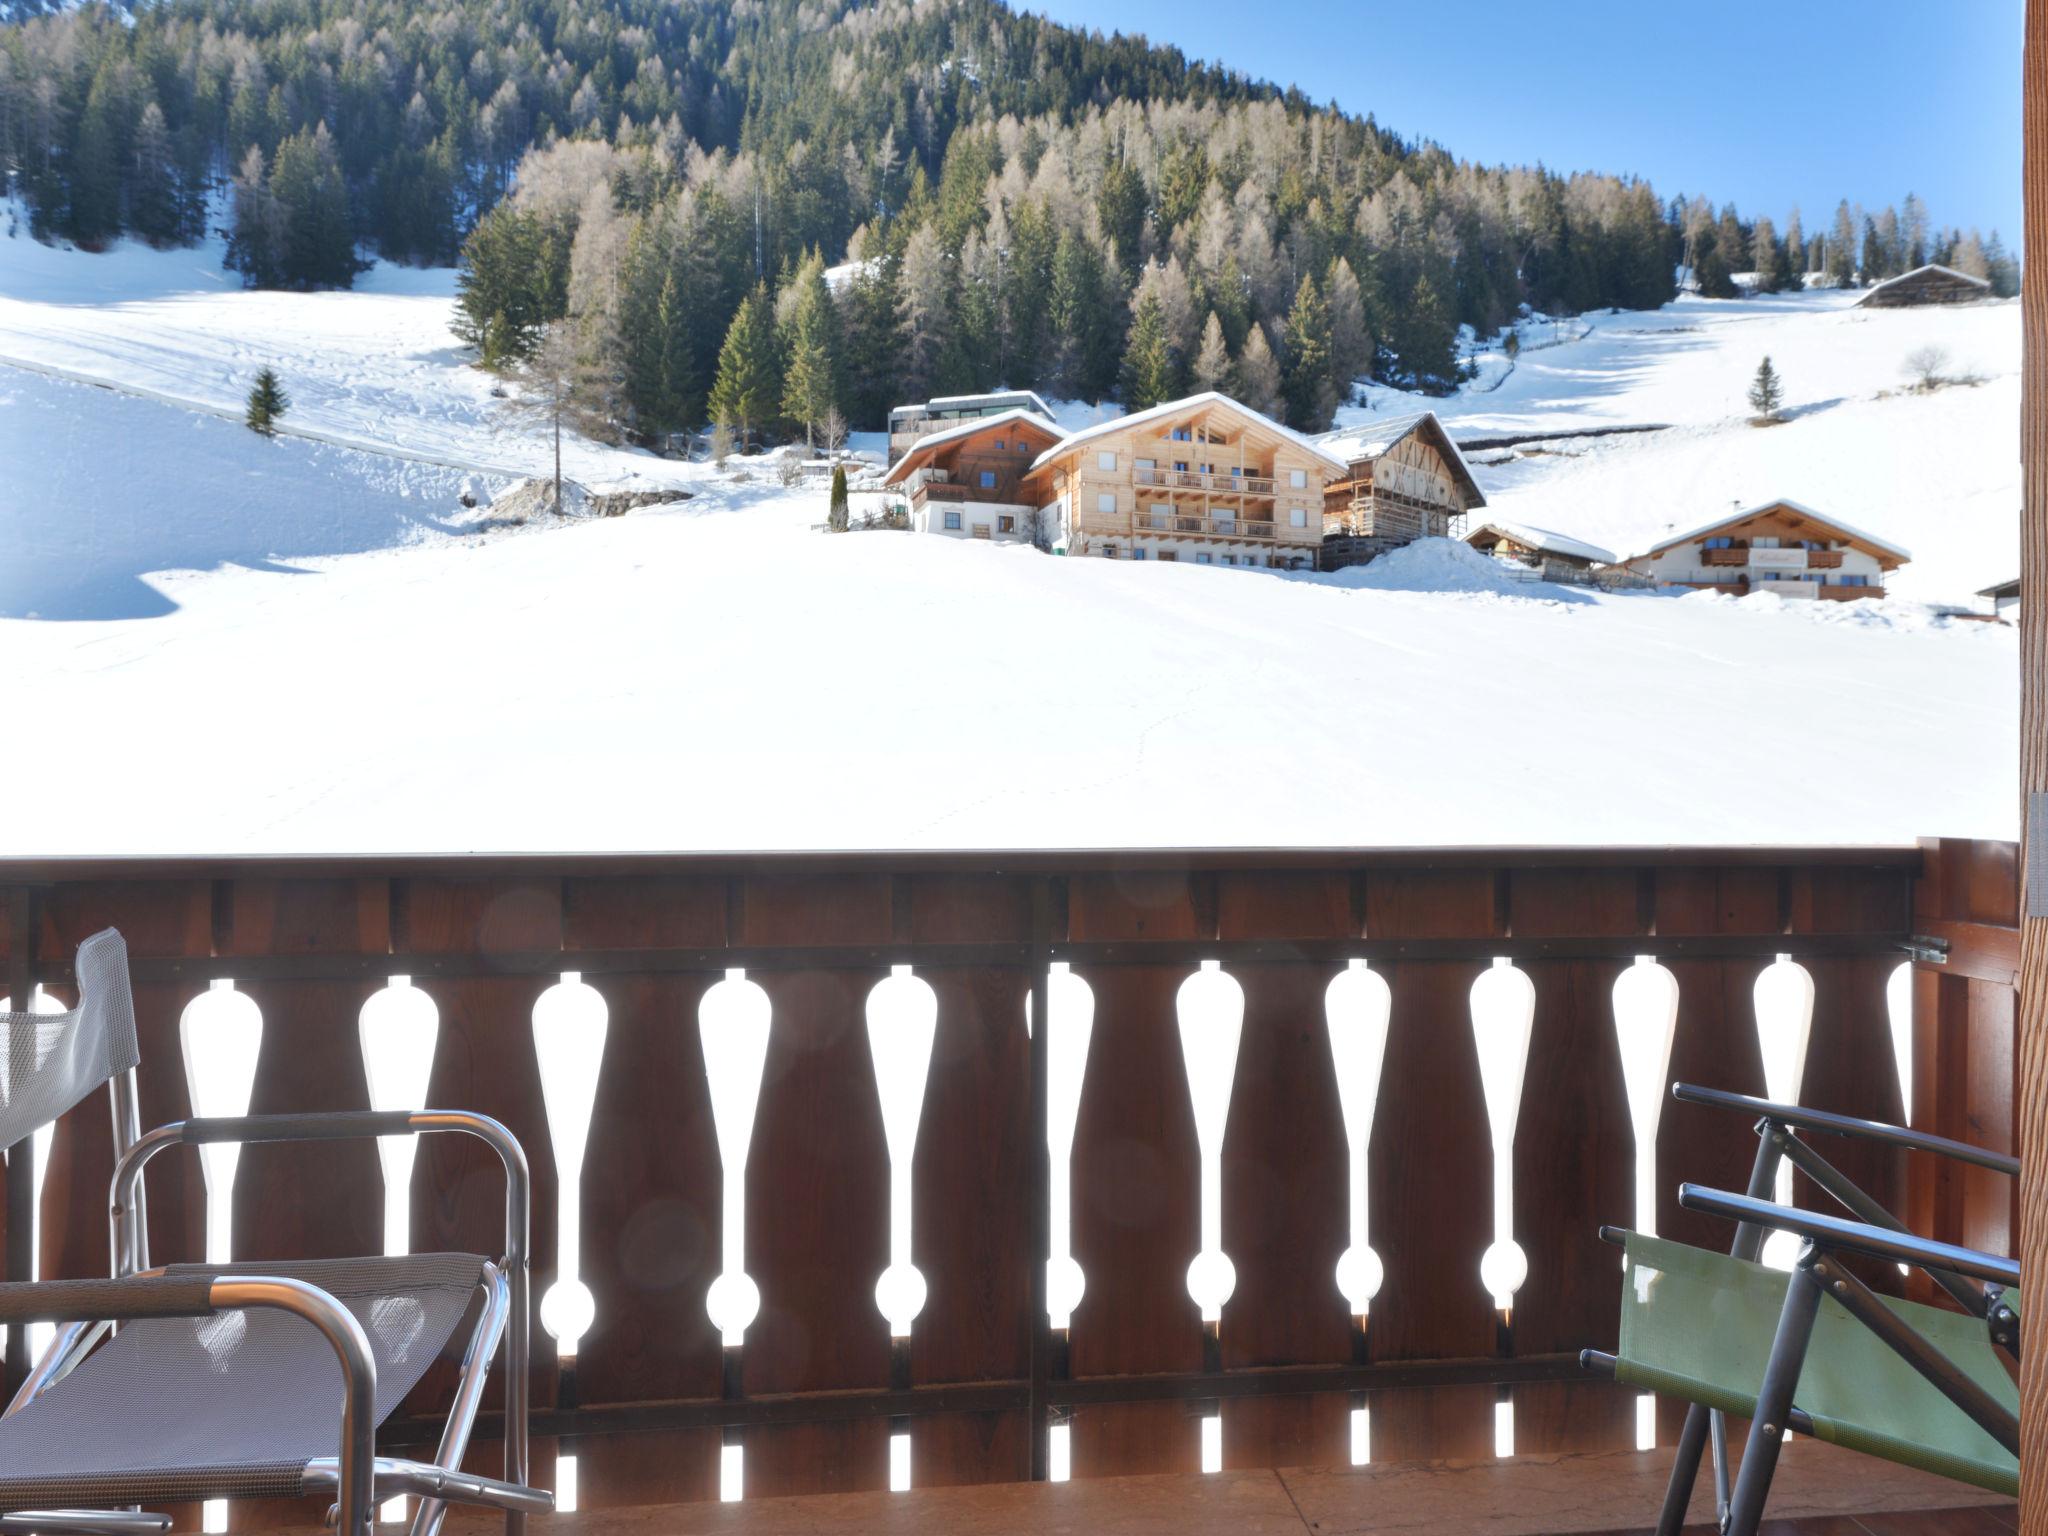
(1816, 1350)
(1701, 1325)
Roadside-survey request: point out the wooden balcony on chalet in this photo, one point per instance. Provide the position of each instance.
(1816, 559)
(816, 1410)
(1198, 525)
(1225, 484)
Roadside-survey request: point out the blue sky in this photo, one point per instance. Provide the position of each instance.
(1769, 105)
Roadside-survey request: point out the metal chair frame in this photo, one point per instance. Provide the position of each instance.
(1976, 1281)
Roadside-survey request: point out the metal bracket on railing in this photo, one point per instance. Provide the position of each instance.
(1922, 949)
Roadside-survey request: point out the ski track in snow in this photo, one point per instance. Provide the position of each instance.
(720, 675)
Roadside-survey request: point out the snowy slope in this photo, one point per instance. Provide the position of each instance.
(1937, 473)
(729, 679)
(721, 675)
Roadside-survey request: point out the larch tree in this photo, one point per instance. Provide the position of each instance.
(1212, 361)
(1258, 373)
(548, 378)
(924, 310)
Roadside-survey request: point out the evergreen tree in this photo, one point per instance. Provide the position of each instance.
(1310, 397)
(267, 402)
(1796, 265)
(838, 516)
(1085, 356)
(1148, 365)
(1258, 374)
(1766, 393)
(312, 197)
(746, 392)
(155, 208)
(1212, 363)
(1841, 248)
(256, 240)
(1768, 259)
(1426, 341)
(810, 378)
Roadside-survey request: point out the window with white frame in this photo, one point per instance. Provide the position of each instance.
(1006, 525)
(952, 522)
(1106, 503)
(1298, 478)
(1106, 460)
(1201, 559)
(1298, 517)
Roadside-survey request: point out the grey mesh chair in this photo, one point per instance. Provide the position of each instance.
(241, 1380)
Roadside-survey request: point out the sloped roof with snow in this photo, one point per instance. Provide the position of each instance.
(1167, 410)
(1922, 271)
(921, 449)
(1529, 536)
(1375, 438)
(1847, 531)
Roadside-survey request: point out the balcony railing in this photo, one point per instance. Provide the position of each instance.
(1816, 559)
(1206, 527)
(893, 1003)
(1192, 480)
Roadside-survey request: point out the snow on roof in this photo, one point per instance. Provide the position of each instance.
(957, 402)
(1170, 408)
(1376, 437)
(1529, 536)
(967, 428)
(1847, 530)
(1932, 266)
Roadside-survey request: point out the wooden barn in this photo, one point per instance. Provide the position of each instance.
(1404, 480)
(1541, 549)
(1931, 284)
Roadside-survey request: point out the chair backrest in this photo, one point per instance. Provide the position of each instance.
(51, 1061)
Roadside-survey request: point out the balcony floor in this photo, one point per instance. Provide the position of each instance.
(1821, 1491)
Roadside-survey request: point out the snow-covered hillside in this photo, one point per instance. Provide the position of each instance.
(1937, 473)
(719, 674)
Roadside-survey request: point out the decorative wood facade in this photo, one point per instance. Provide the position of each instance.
(1404, 480)
(1779, 547)
(967, 481)
(1538, 548)
(1204, 480)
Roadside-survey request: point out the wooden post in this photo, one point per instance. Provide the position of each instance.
(2031, 1088)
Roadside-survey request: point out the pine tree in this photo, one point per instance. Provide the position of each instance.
(267, 402)
(256, 237)
(154, 208)
(1766, 394)
(1427, 341)
(1305, 376)
(1841, 248)
(746, 393)
(1212, 363)
(1258, 374)
(1148, 364)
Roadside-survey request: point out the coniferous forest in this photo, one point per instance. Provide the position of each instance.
(787, 215)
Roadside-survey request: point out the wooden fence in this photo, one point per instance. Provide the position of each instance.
(982, 1386)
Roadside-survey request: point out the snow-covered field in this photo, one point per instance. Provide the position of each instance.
(718, 674)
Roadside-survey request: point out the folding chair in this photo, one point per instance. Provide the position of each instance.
(241, 1380)
(1817, 1351)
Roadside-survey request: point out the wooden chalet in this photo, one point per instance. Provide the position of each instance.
(967, 480)
(1404, 480)
(1931, 284)
(1205, 480)
(1780, 547)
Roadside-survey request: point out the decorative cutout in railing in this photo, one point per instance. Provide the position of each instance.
(221, 1034)
(1503, 1016)
(1645, 1024)
(1357, 1006)
(1898, 1003)
(1070, 1014)
(1210, 1004)
(732, 1023)
(1784, 1024)
(399, 1028)
(903, 1020)
(569, 1026)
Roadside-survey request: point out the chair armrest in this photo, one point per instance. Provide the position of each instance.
(1853, 1236)
(97, 1301)
(1845, 1125)
(340, 1125)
